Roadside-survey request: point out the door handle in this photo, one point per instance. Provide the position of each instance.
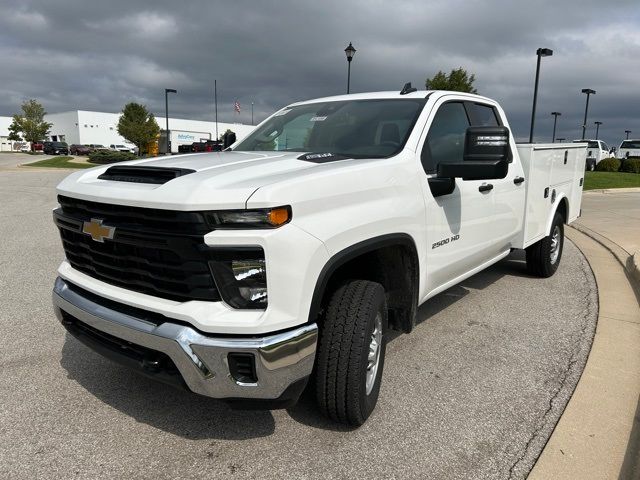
(485, 188)
(518, 180)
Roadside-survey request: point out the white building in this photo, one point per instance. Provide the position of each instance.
(83, 127)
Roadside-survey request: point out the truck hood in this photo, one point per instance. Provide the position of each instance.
(221, 180)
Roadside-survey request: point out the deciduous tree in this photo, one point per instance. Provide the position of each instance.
(458, 81)
(30, 125)
(138, 125)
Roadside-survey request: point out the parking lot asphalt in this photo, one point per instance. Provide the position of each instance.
(473, 392)
(12, 160)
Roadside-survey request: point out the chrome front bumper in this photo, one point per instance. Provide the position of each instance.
(280, 360)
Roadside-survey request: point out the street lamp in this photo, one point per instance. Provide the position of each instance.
(350, 51)
(588, 91)
(627, 132)
(541, 52)
(167, 91)
(597, 124)
(555, 121)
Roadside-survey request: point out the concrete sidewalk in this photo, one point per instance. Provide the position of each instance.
(598, 435)
(614, 216)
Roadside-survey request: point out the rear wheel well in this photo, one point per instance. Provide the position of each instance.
(563, 209)
(393, 266)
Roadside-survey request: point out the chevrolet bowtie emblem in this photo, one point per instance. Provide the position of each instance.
(97, 230)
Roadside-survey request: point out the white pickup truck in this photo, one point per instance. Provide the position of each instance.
(249, 274)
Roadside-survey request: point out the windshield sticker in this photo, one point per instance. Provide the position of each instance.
(317, 119)
(281, 112)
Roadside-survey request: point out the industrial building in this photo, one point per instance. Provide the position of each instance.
(84, 127)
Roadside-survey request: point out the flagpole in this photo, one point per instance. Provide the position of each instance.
(215, 96)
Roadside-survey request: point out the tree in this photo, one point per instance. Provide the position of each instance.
(137, 125)
(458, 81)
(30, 125)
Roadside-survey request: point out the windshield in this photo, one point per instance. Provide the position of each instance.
(630, 144)
(353, 128)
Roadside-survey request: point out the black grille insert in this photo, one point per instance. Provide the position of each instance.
(157, 252)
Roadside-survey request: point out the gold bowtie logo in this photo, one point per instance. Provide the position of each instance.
(97, 230)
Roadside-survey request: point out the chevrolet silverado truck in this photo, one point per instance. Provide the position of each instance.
(283, 263)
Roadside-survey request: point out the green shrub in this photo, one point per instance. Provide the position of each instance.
(630, 165)
(102, 156)
(608, 165)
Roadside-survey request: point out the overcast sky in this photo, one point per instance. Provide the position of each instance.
(89, 55)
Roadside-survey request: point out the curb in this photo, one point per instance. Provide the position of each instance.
(635, 266)
(629, 261)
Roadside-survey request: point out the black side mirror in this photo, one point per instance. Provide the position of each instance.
(486, 155)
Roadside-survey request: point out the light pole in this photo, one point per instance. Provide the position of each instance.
(597, 124)
(555, 121)
(251, 113)
(588, 91)
(350, 51)
(541, 52)
(627, 132)
(167, 91)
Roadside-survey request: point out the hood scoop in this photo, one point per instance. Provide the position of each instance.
(135, 174)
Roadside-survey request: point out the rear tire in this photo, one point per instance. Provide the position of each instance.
(543, 257)
(351, 352)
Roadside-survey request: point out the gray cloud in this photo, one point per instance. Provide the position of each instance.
(74, 54)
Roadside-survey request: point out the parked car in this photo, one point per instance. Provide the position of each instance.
(208, 146)
(597, 151)
(629, 148)
(97, 147)
(121, 148)
(76, 149)
(37, 146)
(301, 249)
(55, 148)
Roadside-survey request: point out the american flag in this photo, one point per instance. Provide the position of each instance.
(236, 106)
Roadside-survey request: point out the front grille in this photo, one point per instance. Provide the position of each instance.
(147, 219)
(156, 252)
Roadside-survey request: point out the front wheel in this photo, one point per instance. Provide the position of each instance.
(351, 352)
(543, 257)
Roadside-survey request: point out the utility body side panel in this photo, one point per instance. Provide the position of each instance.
(552, 172)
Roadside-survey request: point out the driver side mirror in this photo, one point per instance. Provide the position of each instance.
(486, 155)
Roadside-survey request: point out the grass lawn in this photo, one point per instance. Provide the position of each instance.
(58, 162)
(596, 180)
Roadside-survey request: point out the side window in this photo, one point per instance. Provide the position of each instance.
(445, 139)
(484, 116)
(605, 147)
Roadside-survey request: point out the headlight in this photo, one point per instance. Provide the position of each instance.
(241, 277)
(257, 218)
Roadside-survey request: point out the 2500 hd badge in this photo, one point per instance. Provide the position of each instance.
(445, 241)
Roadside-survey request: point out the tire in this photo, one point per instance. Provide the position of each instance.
(354, 312)
(543, 257)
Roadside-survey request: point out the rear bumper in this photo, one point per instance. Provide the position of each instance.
(165, 350)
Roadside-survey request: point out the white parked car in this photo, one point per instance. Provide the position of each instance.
(239, 273)
(629, 148)
(121, 148)
(597, 151)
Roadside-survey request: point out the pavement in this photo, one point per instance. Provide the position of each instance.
(13, 160)
(598, 435)
(473, 393)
